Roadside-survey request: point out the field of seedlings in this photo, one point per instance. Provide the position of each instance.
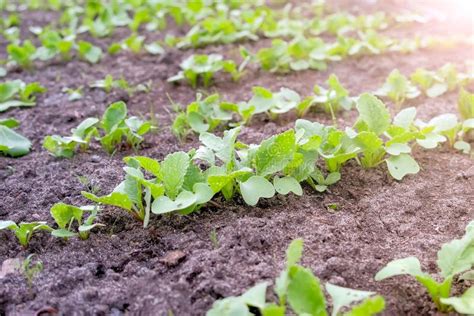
(236, 157)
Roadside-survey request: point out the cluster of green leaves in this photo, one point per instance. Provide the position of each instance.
(455, 258)
(302, 53)
(205, 115)
(183, 182)
(12, 143)
(65, 216)
(301, 292)
(111, 130)
(53, 44)
(399, 88)
(16, 93)
(204, 67)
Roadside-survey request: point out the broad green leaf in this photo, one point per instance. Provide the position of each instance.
(173, 171)
(255, 296)
(401, 165)
(370, 306)
(273, 310)
(230, 306)
(115, 198)
(431, 140)
(294, 252)
(164, 204)
(114, 115)
(9, 122)
(8, 225)
(15, 103)
(63, 233)
(12, 143)
(405, 117)
(344, 297)
(409, 265)
(396, 149)
(436, 90)
(304, 292)
(373, 112)
(286, 185)
(463, 146)
(463, 304)
(275, 153)
(64, 213)
(256, 187)
(149, 164)
(466, 104)
(457, 255)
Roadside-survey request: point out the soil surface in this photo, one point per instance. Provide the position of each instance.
(174, 266)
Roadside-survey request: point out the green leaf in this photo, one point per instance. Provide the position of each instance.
(457, 255)
(343, 297)
(304, 292)
(405, 117)
(273, 310)
(396, 149)
(149, 164)
(255, 296)
(466, 104)
(15, 103)
(409, 265)
(114, 115)
(173, 171)
(401, 165)
(275, 153)
(370, 306)
(286, 185)
(115, 198)
(164, 204)
(63, 233)
(463, 304)
(436, 90)
(254, 188)
(294, 252)
(373, 112)
(12, 143)
(64, 213)
(463, 146)
(8, 225)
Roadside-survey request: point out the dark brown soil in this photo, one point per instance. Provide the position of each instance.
(173, 266)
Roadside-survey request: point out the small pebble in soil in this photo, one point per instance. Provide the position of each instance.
(173, 258)
(95, 158)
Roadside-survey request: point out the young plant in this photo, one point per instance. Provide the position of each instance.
(65, 215)
(204, 67)
(429, 82)
(16, 93)
(454, 258)
(22, 55)
(89, 52)
(24, 231)
(201, 116)
(332, 100)
(65, 147)
(12, 143)
(117, 126)
(30, 269)
(398, 88)
(53, 44)
(299, 292)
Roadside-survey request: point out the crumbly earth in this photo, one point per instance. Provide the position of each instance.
(174, 266)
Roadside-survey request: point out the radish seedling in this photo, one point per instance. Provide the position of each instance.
(454, 258)
(66, 146)
(204, 67)
(24, 231)
(65, 215)
(16, 93)
(398, 88)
